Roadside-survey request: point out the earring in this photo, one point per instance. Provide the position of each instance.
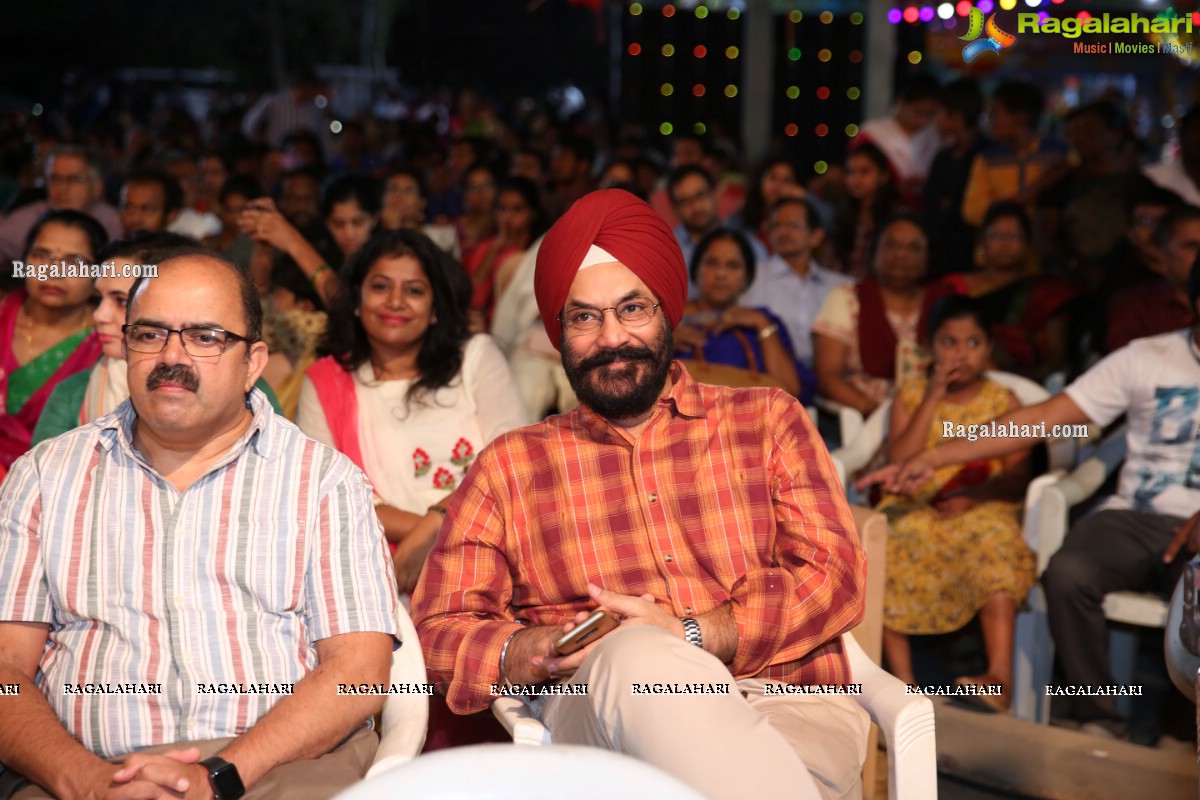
(356, 313)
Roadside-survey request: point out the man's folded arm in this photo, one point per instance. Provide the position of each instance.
(461, 603)
(315, 718)
(814, 591)
(33, 742)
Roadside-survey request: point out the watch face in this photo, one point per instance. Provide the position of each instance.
(224, 778)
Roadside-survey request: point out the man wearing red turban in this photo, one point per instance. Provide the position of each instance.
(702, 519)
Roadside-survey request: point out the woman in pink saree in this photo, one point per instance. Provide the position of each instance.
(46, 325)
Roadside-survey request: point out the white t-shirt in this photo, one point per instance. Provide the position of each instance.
(416, 454)
(1156, 382)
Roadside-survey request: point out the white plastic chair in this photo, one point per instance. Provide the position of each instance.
(907, 721)
(869, 435)
(515, 772)
(1048, 505)
(405, 716)
(851, 422)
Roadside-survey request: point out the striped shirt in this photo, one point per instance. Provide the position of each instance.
(727, 496)
(232, 581)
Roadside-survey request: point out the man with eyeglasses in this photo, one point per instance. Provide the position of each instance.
(791, 282)
(694, 200)
(74, 182)
(190, 577)
(693, 195)
(706, 520)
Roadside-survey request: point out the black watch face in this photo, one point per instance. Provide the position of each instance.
(226, 782)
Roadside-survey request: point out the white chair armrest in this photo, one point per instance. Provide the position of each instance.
(405, 719)
(907, 722)
(850, 420)
(1083, 482)
(1033, 508)
(856, 452)
(518, 719)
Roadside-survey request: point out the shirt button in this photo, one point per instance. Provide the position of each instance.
(688, 611)
(653, 497)
(668, 558)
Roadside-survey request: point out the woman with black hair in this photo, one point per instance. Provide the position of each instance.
(724, 332)
(404, 200)
(46, 323)
(867, 336)
(478, 220)
(350, 206)
(871, 197)
(519, 220)
(1032, 312)
(405, 390)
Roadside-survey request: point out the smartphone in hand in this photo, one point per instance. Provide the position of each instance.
(598, 623)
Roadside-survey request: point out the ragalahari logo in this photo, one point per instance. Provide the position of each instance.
(996, 39)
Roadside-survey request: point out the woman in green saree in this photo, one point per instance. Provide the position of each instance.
(46, 325)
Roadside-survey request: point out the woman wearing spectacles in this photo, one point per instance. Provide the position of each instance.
(404, 200)
(87, 396)
(46, 324)
(405, 390)
(1033, 312)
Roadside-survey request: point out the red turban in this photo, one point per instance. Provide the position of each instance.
(624, 226)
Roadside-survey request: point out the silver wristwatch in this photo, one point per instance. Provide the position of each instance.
(691, 631)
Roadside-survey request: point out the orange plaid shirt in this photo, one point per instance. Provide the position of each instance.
(728, 496)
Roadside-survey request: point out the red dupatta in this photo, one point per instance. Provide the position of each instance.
(877, 340)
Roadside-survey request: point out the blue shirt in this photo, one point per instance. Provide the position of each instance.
(794, 299)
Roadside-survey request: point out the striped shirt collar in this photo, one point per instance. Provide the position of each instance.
(262, 435)
(683, 400)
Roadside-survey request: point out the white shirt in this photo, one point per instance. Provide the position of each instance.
(1170, 174)
(911, 155)
(1156, 382)
(197, 225)
(417, 453)
(794, 299)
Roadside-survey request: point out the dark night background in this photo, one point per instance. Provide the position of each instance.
(511, 45)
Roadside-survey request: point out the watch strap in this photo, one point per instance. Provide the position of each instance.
(691, 631)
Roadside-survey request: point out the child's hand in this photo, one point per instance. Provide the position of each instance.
(943, 375)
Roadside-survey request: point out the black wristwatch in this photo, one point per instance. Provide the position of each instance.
(224, 779)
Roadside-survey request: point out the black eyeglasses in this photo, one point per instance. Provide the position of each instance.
(197, 342)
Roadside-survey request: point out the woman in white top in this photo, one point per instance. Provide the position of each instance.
(407, 393)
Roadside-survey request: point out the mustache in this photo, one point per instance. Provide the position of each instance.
(180, 374)
(626, 352)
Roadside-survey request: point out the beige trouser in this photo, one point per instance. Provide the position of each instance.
(729, 747)
(310, 779)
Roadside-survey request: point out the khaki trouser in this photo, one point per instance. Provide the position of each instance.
(309, 779)
(729, 747)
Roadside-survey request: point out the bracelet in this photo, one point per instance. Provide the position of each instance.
(504, 655)
(317, 274)
(769, 331)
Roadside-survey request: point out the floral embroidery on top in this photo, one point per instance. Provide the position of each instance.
(421, 462)
(463, 454)
(444, 479)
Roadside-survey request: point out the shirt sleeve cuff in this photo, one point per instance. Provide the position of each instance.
(477, 667)
(759, 603)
